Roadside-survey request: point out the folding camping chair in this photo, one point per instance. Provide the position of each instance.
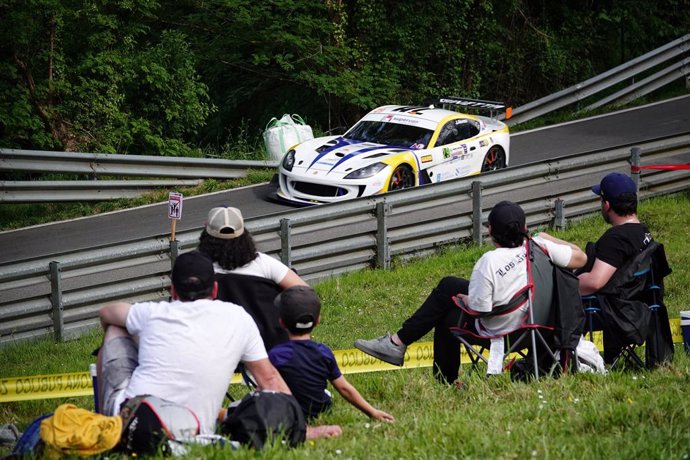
(535, 332)
(530, 341)
(629, 311)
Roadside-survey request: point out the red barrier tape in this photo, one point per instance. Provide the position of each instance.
(636, 169)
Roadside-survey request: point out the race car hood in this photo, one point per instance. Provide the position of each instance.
(340, 156)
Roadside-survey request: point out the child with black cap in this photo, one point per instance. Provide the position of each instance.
(306, 365)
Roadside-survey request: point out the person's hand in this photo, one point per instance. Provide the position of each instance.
(323, 431)
(382, 416)
(463, 299)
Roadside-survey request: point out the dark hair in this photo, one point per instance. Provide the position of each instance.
(625, 205)
(511, 237)
(229, 254)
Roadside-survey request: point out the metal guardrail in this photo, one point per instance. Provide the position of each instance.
(187, 173)
(106, 164)
(613, 77)
(61, 295)
(45, 191)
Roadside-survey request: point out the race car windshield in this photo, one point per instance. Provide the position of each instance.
(390, 134)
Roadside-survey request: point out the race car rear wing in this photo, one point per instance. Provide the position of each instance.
(494, 108)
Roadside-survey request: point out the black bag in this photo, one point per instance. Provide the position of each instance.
(566, 303)
(149, 423)
(263, 416)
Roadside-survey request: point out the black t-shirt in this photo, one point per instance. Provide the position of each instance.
(621, 242)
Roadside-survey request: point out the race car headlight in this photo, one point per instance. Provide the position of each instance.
(289, 160)
(367, 171)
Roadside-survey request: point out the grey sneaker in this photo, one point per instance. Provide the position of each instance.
(384, 349)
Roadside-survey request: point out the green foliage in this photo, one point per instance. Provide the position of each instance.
(94, 76)
(182, 77)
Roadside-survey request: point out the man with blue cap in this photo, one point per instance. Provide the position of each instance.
(623, 241)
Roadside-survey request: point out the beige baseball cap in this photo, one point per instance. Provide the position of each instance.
(225, 223)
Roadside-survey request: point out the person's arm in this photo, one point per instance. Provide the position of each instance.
(291, 279)
(578, 258)
(114, 314)
(592, 281)
(267, 377)
(352, 396)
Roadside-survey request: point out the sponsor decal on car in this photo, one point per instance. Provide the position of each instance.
(483, 143)
(460, 150)
(427, 158)
(462, 172)
(446, 153)
(409, 121)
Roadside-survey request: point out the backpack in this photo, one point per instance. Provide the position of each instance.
(150, 423)
(263, 416)
(30, 443)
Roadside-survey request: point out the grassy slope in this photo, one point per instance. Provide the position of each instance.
(621, 415)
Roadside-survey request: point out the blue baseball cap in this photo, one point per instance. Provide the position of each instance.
(613, 185)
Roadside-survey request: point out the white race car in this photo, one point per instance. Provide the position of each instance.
(395, 147)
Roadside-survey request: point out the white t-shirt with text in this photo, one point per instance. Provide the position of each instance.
(500, 274)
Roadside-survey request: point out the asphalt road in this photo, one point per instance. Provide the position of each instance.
(620, 128)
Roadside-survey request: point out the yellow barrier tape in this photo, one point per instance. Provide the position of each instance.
(350, 361)
(45, 387)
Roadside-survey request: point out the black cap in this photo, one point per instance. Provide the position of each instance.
(614, 186)
(504, 214)
(193, 275)
(299, 307)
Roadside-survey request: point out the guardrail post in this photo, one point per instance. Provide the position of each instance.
(286, 242)
(56, 300)
(174, 252)
(477, 212)
(559, 214)
(635, 156)
(383, 253)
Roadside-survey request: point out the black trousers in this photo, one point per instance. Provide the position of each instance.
(440, 313)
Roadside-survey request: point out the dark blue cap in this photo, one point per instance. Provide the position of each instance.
(614, 185)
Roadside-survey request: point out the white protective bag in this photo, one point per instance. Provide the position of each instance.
(283, 133)
(588, 357)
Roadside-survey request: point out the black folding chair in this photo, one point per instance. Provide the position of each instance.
(640, 291)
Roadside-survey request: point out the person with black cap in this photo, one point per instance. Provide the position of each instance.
(184, 350)
(496, 277)
(623, 241)
(306, 365)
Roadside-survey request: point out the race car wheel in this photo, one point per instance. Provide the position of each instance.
(402, 177)
(495, 159)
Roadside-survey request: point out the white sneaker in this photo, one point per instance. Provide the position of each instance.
(384, 349)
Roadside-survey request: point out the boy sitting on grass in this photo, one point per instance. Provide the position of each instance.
(306, 365)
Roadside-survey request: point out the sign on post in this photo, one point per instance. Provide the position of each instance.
(174, 211)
